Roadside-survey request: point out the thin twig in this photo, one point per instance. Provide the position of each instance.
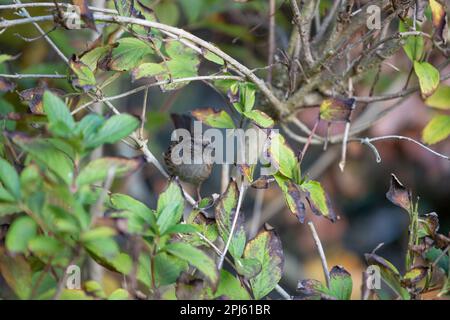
(24, 76)
(143, 115)
(271, 47)
(323, 259)
(159, 83)
(388, 137)
(233, 225)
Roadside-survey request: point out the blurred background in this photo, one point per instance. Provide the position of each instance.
(240, 28)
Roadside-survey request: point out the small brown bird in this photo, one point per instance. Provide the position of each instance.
(194, 173)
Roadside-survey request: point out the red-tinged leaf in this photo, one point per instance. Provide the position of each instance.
(439, 18)
(311, 289)
(85, 13)
(293, 196)
(6, 85)
(337, 110)
(267, 249)
(82, 76)
(341, 284)
(214, 118)
(429, 78)
(318, 200)
(413, 276)
(398, 194)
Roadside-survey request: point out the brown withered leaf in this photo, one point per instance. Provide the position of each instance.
(262, 182)
(442, 241)
(85, 13)
(430, 223)
(440, 21)
(33, 97)
(247, 171)
(337, 110)
(398, 194)
(6, 85)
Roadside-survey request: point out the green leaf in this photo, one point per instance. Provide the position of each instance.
(437, 129)
(429, 77)
(167, 12)
(58, 114)
(119, 294)
(138, 214)
(341, 283)
(9, 178)
(21, 231)
(282, 157)
(115, 128)
(259, 118)
(196, 258)
(16, 272)
(182, 228)
(230, 287)
(128, 53)
(243, 96)
(5, 57)
(167, 268)
(46, 154)
(248, 268)
(170, 207)
(148, 70)
(440, 99)
(183, 63)
(91, 58)
(318, 199)
(45, 246)
(83, 78)
(97, 233)
(94, 288)
(225, 213)
(389, 274)
(214, 118)
(213, 58)
(9, 208)
(266, 248)
(192, 8)
(97, 170)
(414, 45)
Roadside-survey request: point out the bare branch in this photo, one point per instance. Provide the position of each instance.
(323, 259)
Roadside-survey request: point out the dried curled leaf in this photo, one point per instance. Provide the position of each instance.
(34, 97)
(86, 13)
(439, 18)
(398, 194)
(6, 85)
(337, 110)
